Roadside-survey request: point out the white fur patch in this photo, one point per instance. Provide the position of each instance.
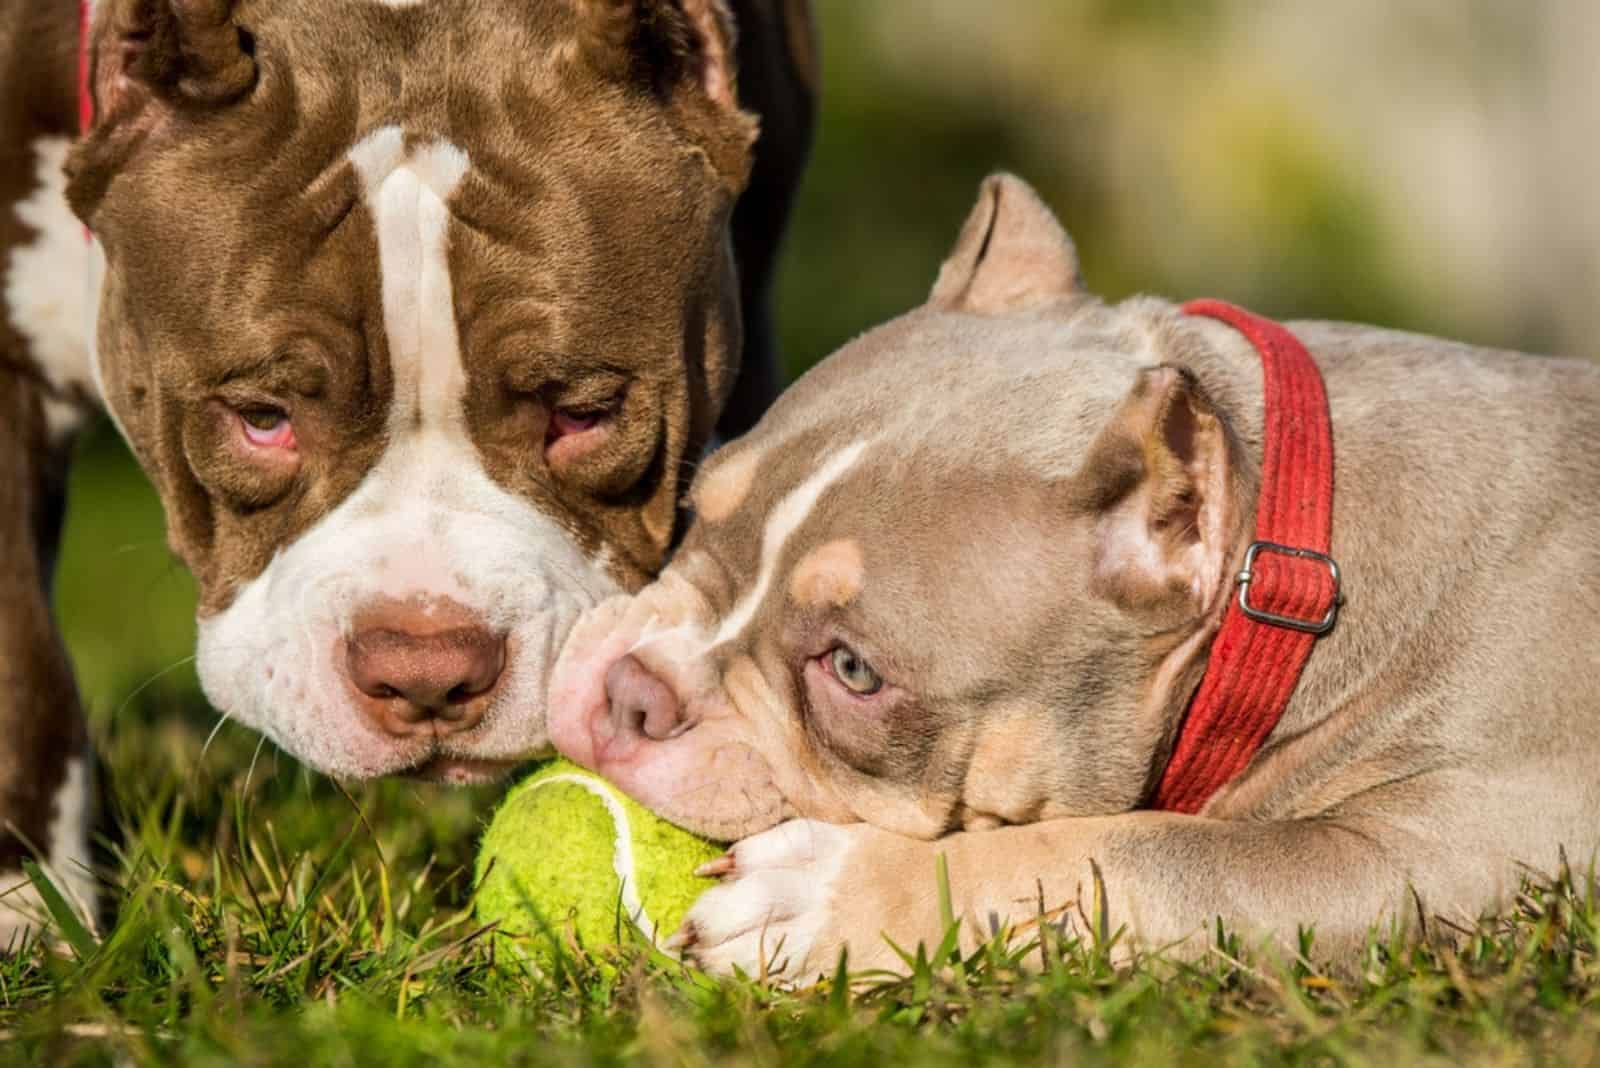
(68, 865)
(408, 195)
(69, 838)
(426, 523)
(785, 519)
(47, 297)
(772, 910)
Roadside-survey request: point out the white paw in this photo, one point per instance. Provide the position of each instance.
(772, 913)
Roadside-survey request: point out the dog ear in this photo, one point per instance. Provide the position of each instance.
(1160, 486)
(682, 52)
(1011, 254)
(181, 53)
(150, 60)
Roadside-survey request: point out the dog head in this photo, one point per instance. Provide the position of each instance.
(961, 574)
(415, 313)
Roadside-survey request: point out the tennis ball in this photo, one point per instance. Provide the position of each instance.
(568, 848)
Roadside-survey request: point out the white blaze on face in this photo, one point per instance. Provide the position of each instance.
(408, 196)
(426, 523)
(785, 519)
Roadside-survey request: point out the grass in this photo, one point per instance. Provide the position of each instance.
(269, 916)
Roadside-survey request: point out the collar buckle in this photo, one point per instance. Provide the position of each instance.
(1261, 615)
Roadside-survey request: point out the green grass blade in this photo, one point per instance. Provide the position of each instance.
(68, 924)
(839, 992)
(947, 912)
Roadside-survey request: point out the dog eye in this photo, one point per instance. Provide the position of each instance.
(265, 420)
(565, 421)
(854, 672)
(267, 426)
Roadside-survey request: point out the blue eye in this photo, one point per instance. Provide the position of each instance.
(854, 672)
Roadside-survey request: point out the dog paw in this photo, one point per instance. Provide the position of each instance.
(773, 913)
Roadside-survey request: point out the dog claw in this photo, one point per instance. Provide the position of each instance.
(715, 869)
(682, 938)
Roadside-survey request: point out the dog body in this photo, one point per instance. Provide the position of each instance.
(415, 313)
(955, 592)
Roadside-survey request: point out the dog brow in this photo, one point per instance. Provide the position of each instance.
(786, 518)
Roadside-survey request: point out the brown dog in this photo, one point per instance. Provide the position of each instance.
(415, 311)
(954, 594)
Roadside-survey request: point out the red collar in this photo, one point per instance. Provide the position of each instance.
(1289, 588)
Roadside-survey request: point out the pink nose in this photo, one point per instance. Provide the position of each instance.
(640, 702)
(423, 672)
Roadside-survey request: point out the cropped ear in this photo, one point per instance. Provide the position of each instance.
(681, 51)
(1160, 487)
(150, 59)
(1011, 254)
(183, 53)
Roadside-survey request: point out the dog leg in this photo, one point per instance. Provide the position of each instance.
(45, 788)
(795, 895)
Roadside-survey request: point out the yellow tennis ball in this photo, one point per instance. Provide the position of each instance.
(568, 848)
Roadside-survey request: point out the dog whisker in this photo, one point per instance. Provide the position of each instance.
(151, 681)
(204, 749)
(250, 773)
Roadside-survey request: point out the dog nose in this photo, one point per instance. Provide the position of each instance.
(420, 673)
(641, 703)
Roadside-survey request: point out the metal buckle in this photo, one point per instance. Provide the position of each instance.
(1309, 626)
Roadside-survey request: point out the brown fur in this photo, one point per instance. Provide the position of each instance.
(40, 716)
(593, 252)
(199, 210)
(39, 711)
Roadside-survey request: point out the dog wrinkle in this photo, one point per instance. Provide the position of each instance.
(217, 241)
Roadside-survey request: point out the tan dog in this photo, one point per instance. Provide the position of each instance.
(954, 593)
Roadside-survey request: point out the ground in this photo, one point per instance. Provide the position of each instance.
(274, 917)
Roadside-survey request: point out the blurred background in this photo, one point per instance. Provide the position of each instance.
(1425, 164)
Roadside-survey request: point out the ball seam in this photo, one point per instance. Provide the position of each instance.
(622, 855)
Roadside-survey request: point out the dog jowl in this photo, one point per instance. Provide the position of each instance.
(415, 314)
